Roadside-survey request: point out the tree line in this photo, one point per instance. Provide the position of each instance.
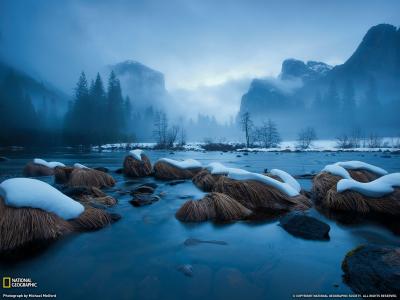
(97, 116)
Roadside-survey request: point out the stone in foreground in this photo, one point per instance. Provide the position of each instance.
(304, 226)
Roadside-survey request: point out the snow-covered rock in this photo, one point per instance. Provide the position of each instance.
(287, 178)
(281, 186)
(379, 187)
(337, 170)
(360, 165)
(240, 174)
(80, 166)
(50, 164)
(136, 154)
(27, 192)
(182, 164)
(217, 168)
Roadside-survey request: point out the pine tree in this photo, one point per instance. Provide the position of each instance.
(115, 108)
(98, 119)
(76, 127)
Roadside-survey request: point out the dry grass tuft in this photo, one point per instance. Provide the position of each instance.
(166, 171)
(22, 226)
(258, 196)
(355, 202)
(324, 181)
(205, 181)
(214, 206)
(34, 170)
(91, 219)
(137, 168)
(90, 178)
(325, 193)
(62, 174)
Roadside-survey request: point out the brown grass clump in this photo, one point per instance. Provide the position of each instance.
(166, 171)
(205, 181)
(214, 206)
(90, 178)
(22, 226)
(325, 181)
(62, 174)
(355, 202)
(258, 196)
(91, 219)
(137, 168)
(34, 170)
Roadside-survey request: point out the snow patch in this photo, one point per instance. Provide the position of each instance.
(281, 186)
(378, 188)
(217, 168)
(80, 166)
(359, 165)
(27, 192)
(50, 164)
(337, 170)
(182, 164)
(287, 178)
(240, 174)
(136, 154)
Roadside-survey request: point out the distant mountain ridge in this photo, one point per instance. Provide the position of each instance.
(372, 71)
(144, 86)
(41, 93)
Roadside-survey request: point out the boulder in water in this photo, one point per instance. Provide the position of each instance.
(304, 226)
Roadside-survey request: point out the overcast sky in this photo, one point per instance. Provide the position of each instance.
(194, 43)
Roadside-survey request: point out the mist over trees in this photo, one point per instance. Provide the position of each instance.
(96, 116)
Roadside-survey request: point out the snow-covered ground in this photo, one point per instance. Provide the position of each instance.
(319, 145)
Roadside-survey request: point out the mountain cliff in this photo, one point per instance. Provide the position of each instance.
(144, 86)
(369, 80)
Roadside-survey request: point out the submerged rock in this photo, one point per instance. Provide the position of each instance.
(194, 242)
(307, 227)
(115, 217)
(143, 189)
(119, 171)
(305, 176)
(373, 269)
(143, 199)
(176, 182)
(187, 270)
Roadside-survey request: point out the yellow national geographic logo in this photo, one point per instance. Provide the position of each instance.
(6, 282)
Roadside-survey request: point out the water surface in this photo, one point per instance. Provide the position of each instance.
(139, 256)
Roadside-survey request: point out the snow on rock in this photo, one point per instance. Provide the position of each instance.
(240, 174)
(49, 164)
(379, 187)
(357, 165)
(281, 186)
(337, 170)
(27, 192)
(182, 164)
(287, 178)
(217, 168)
(80, 166)
(136, 154)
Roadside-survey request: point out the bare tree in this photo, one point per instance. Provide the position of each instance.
(247, 126)
(172, 136)
(182, 136)
(342, 141)
(160, 128)
(306, 137)
(350, 141)
(268, 134)
(374, 141)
